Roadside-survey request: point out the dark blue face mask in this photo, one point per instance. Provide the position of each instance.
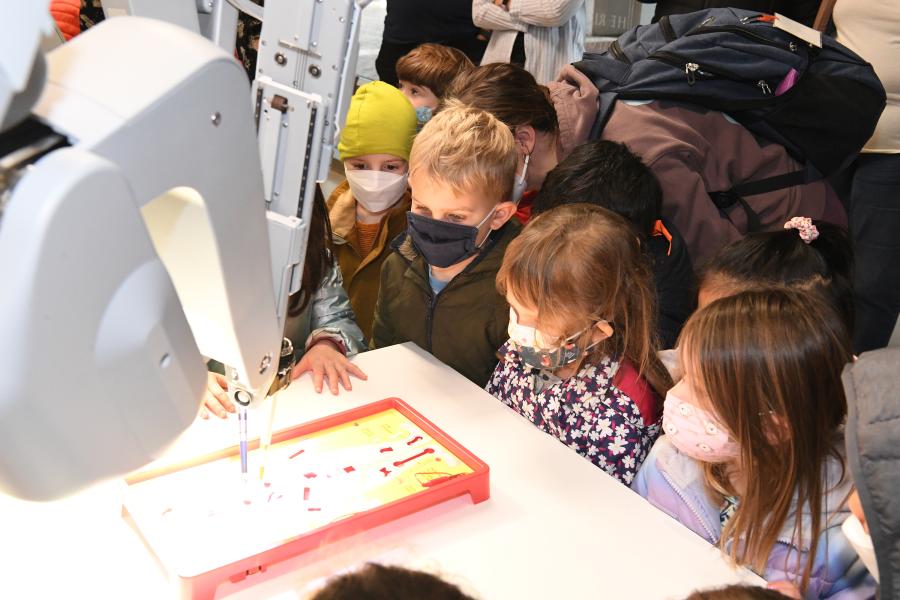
(441, 243)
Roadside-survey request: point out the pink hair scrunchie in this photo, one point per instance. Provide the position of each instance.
(804, 227)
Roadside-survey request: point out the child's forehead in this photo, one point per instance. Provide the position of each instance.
(381, 158)
(436, 194)
(408, 83)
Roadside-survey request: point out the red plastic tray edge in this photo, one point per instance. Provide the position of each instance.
(203, 586)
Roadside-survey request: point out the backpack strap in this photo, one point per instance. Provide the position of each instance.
(728, 199)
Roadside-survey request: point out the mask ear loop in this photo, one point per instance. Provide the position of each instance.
(587, 350)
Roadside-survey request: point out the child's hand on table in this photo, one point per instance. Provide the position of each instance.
(215, 399)
(324, 360)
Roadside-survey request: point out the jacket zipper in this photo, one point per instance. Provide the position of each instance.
(712, 537)
(694, 71)
(750, 35)
(429, 316)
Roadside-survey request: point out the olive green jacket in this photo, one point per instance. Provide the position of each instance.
(464, 325)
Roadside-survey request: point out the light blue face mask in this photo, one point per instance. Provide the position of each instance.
(423, 115)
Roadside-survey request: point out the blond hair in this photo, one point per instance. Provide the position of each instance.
(579, 264)
(467, 149)
(434, 66)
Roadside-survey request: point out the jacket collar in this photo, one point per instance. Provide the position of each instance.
(685, 476)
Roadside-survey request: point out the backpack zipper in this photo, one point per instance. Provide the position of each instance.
(616, 50)
(792, 46)
(667, 30)
(694, 71)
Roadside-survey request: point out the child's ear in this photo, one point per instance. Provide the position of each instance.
(505, 211)
(604, 329)
(525, 138)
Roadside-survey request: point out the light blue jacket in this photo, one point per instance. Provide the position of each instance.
(328, 314)
(673, 482)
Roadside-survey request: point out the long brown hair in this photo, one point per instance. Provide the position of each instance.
(508, 92)
(579, 264)
(770, 362)
(318, 255)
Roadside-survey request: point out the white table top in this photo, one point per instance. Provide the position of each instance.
(556, 526)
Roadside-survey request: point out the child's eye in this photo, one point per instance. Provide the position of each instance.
(418, 208)
(390, 167)
(414, 91)
(358, 166)
(456, 218)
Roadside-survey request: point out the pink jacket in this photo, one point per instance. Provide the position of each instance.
(693, 151)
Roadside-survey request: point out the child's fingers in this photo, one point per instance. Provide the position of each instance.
(332, 375)
(318, 376)
(213, 405)
(225, 402)
(300, 368)
(354, 370)
(345, 377)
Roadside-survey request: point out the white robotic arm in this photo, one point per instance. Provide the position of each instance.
(113, 286)
(137, 223)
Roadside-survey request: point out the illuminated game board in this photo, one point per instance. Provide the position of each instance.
(332, 477)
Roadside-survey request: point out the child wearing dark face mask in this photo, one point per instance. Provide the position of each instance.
(369, 209)
(581, 359)
(437, 288)
(752, 457)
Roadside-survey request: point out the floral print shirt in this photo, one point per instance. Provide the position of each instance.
(587, 412)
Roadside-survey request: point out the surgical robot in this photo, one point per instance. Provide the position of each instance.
(154, 211)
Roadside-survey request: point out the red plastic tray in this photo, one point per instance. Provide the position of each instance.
(201, 578)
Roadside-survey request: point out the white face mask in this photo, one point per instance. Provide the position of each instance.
(376, 190)
(519, 184)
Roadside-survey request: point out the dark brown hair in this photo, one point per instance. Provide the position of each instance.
(580, 264)
(380, 582)
(824, 265)
(434, 66)
(737, 592)
(607, 174)
(318, 255)
(508, 92)
(770, 363)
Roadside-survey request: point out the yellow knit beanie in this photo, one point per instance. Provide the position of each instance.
(380, 121)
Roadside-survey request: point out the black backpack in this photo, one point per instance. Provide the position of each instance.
(821, 104)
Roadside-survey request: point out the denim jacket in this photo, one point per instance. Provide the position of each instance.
(673, 482)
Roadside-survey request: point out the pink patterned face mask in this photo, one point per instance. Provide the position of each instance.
(696, 432)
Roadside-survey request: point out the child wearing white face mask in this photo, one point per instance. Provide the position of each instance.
(581, 359)
(752, 457)
(369, 209)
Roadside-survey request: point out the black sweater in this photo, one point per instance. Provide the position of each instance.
(803, 11)
(421, 21)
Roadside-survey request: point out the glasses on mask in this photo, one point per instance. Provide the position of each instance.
(541, 351)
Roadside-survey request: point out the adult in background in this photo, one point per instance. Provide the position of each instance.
(409, 23)
(871, 28)
(540, 35)
(798, 10)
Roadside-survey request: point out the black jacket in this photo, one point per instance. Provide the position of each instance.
(798, 10)
(673, 275)
(417, 22)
